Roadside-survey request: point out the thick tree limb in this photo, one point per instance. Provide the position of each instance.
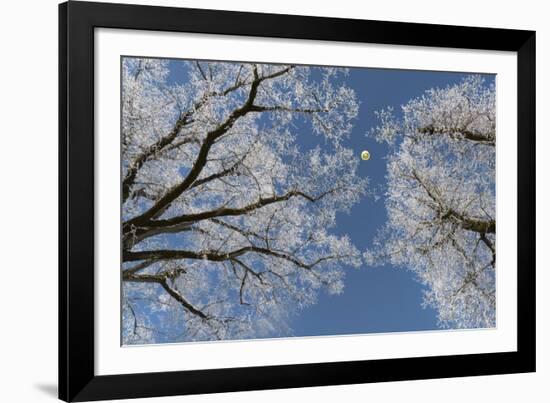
(475, 225)
(167, 254)
(228, 211)
(179, 223)
(134, 234)
(260, 108)
(485, 138)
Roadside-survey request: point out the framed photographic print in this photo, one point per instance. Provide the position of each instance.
(258, 201)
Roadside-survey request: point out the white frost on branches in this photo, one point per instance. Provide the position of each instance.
(441, 199)
(226, 219)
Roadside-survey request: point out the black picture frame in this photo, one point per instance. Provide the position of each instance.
(77, 379)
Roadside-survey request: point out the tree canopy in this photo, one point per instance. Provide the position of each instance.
(440, 199)
(227, 223)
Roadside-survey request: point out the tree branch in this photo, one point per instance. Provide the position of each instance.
(467, 223)
(161, 279)
(152, 227)
(488, 139)
(260, 108)
(168, 254)
(132, 171)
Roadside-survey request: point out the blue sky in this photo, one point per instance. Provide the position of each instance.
(375, 299)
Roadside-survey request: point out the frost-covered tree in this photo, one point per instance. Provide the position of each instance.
(226, 216)
(441, 199)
